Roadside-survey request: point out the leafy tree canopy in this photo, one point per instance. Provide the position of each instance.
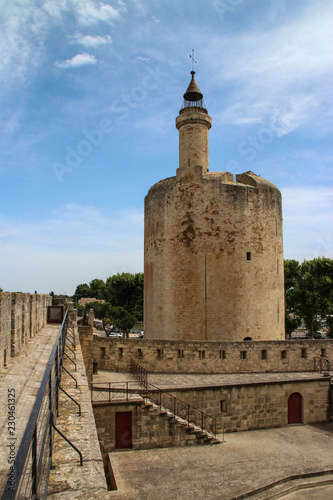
(309, 291)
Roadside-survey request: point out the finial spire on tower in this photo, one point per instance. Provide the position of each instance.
(193, 60)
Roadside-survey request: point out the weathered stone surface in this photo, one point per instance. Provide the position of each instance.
(247, 461)
(68, 479)
(23, 374)
(167, 356)
(22, 315)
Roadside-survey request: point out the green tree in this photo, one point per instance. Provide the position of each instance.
(122, 319)
(101, 309)
(126, 290)
(292, 275)
(329, 323)
(315, 294)
(97, 288)
(82, 291)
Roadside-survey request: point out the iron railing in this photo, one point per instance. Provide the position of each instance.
(139, 372)
(322, 364)
(34, 457)
(126, 391)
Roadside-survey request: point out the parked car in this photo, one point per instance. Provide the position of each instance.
(114, 335)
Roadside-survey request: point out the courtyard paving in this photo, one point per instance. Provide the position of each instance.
(247, 461)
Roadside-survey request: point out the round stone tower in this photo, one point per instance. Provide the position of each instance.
(213, 246)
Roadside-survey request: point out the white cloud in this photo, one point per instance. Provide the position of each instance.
(144, 59)
(91, 41)
(74, 226)
(90, 12)
(288, 63)
(308, 217)
(77, 61)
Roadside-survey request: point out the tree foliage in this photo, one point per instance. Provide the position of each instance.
(309, 291)
(82, 291)
(124, 298)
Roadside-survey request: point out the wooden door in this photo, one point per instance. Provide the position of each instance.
(295, 408)
(123, 429)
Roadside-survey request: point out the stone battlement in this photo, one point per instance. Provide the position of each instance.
(166, 356)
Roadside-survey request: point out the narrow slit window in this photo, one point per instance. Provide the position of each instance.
(159, 353)
(180, 353)
(242, 354)
(102, 352)
(202, 354)
(139, 353)
(264, 354)
(120, 352)
(283, 354)
(223, 406)
(304, 353)
(248, 255)
(223, 354)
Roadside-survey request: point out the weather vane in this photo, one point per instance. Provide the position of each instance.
(193, 60)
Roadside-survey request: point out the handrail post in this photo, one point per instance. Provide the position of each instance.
(34, 482)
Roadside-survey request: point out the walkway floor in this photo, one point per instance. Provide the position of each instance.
(24, 374)
(176, 380)
(245, 462)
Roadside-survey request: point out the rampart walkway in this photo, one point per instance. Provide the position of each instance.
(23, 374)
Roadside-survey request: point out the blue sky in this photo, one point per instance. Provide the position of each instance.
(89, 93)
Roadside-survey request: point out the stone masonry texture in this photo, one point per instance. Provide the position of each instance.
(162, 356)
(22, 315)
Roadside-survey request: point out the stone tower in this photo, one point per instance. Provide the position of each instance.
(213, 246)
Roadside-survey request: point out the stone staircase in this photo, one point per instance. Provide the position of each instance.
(189, 433)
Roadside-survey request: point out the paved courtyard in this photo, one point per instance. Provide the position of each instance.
(246, 462)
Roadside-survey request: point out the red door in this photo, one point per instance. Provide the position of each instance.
(295, 408)
(123, 429)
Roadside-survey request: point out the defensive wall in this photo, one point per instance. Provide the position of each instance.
(22, 315)
(248, 405)
(258, 399)
(245, 406)
(166, 356)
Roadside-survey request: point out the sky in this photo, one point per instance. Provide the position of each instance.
(89, 93)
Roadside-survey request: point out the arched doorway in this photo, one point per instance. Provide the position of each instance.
(295, 408)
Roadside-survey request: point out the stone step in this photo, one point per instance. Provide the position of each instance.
(201, 436)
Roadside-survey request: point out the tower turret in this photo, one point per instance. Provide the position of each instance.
(193, 123)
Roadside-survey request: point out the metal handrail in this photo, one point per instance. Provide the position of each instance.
(139, 372)
(34, 457)
(322, 364)
(163, 399)
(142, 375)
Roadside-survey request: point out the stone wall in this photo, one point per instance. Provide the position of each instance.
(22, 315)
(210, 357)
(260, 405)
(86, 342)
(149, 429)
(244, 407)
